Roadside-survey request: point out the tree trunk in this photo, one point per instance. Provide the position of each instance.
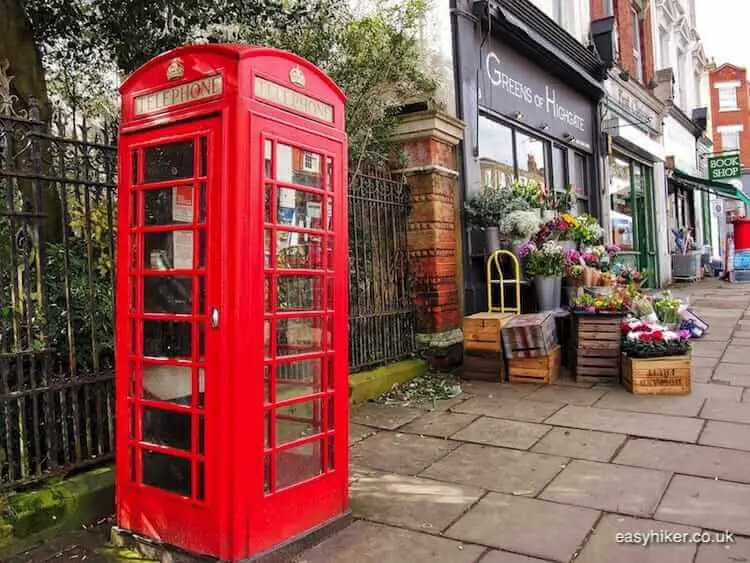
(18, 46)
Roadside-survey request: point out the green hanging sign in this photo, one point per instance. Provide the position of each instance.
(724, 166)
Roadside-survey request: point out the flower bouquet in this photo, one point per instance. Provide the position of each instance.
(586, 230)
(651, 340)
(667, 308)
(617, 302)
(520, 224)
(629, 275)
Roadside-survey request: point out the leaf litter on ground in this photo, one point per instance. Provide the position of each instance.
(426, 389)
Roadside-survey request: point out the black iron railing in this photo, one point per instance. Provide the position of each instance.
(57, 208)
(381, 312)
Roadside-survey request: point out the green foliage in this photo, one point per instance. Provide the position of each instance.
(548, 260)
(91, 296)
(374, 58)
(487, 207)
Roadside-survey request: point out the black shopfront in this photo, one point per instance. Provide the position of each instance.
(529, 95)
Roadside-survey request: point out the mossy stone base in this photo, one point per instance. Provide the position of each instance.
(367, 385)
(58, 505)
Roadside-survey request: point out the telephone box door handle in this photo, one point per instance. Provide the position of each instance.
(214, 317)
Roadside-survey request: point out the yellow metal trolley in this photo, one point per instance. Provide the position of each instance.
(498, 279)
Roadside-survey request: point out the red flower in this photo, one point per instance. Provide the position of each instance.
(657, 336)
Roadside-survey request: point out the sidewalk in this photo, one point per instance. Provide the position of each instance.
(518, 474)
(523, 474)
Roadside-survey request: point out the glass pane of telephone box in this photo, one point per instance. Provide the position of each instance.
(298, 336)
(169, 162)
(172, 384)
(300, 209)
(299, 250)
(167, 294)
(298, 166)
(167, 472)
(299, 293)
(298, 464)
(167, 206)
(167, 428)
(298, 378)
(172, 250)
(167, 339)
(297, 421)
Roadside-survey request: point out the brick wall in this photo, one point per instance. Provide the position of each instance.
(624, 19)
(728, 73)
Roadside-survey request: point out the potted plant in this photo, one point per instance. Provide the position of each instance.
(520, 226)
(667, 309)
(587, 231)
(545, 264)
(484, 211)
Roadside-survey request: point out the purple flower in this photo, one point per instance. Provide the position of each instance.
(526, 248)
(684, 334)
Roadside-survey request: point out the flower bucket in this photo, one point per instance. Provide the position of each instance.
(548, 292)
(492, 239)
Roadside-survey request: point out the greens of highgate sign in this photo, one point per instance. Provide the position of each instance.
(725, 166)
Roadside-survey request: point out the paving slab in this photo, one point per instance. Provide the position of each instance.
(439, 423)
(687, 459)
(580, 444)
(716, 390)
(366, 542)
(734, 552)
(716, 505)
(702, 374)
(358, 432)
(492, 389)
(400, 453)
(603, 545)
(728, 411)
(664, 427)
(562, 395)
(497, 469)
(736, 355)
(708, 349)
(513, 409)
(726, 435)
(528, 526)
(619, 399)
(495, 556)
(614, 488)
(737, 341)
(704, 362)
(733, 374)
(445, 404)
(383, 416)
(503, 433)
(410, 502)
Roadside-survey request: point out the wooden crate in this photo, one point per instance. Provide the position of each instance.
(597, 348)
(529, 336)
(540, 369)
(482, 331)
(670, 375)
(483, 366)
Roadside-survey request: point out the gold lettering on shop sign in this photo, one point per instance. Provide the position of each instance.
(293, 100)
(182, 94)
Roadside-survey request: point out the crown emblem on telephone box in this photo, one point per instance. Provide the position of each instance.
(296, 76)
(175, 70)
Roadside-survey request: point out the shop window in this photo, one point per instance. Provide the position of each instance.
(581, 183)
(495, 153)
(531, 159)
(622, 213)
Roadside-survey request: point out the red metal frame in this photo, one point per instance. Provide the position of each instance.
(264, 431)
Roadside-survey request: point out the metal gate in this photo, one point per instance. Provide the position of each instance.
(57, 190)
(381, 310)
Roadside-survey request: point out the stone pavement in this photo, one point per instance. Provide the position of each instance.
(522, 474)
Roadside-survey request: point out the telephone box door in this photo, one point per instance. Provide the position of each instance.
(168, 224)
(304, 330)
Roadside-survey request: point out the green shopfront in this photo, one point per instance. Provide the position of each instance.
(634, 171)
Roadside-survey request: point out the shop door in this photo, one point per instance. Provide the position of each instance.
(304, 325)
(171, 284)
(644, 219)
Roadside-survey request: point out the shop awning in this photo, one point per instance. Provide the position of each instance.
(720, 189)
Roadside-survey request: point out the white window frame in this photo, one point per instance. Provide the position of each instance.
(609, 8)
(637, 47)
(664, 45)
(727, 87)
(736, 133)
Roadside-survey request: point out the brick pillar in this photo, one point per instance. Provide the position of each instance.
(428, 141)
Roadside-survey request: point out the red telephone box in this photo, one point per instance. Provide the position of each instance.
(232, 335)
